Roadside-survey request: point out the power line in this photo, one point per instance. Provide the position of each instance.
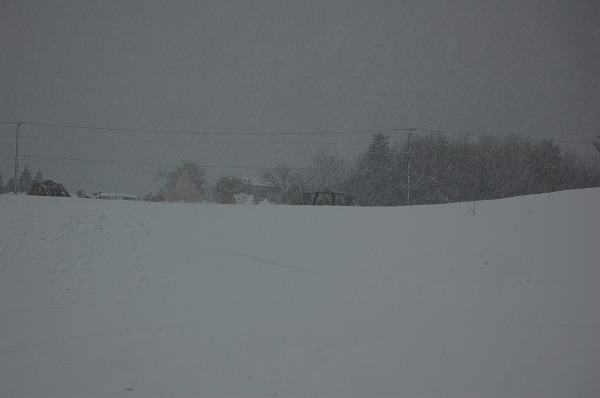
(174, 141)
(97, 128)
(454, 133)
(144, 164)
(149, 164)
(249, 133)
(461, 133)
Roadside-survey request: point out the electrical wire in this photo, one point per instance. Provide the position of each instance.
(250, 133)
(147, 164)
(97, 128)
(170, 141)
(501, 136)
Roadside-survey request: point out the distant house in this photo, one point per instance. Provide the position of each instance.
(185, 190)
(326, 198)
(261, 189)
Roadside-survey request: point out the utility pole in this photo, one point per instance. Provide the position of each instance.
(17, 157)
(409, 154)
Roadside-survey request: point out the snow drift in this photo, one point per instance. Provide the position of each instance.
(132, 299)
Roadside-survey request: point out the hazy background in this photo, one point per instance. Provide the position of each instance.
(525, 67)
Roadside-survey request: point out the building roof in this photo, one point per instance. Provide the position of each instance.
(184, 190)
(256, 181)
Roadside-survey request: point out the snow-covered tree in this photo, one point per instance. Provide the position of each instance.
(372, 182)
(327, 171)
(290, 183)
(444, 170)
(25, 180)
(10, 185)
(38, 176)
(597, 145)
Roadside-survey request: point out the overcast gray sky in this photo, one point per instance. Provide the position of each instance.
(494, 67)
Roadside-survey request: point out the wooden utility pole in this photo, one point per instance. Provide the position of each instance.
(17, 157)
(409, 154)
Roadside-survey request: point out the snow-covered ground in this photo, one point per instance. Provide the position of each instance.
(133, 299)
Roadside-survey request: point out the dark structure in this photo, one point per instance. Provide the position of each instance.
(326, 198)
(48, 188)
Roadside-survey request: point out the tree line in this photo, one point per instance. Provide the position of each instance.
(442, 170)
(453, 170)
(24, 182)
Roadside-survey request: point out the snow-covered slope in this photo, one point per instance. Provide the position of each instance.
(129, 299)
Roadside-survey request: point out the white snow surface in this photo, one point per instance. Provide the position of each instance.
(135, 299)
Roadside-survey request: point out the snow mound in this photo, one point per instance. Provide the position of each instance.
(136, 299)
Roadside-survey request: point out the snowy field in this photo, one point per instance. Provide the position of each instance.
(133, 299)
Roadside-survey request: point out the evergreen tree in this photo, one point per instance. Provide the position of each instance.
(25, 180)
(10, 185)
(372, 182)
(459, 170)
(429, 169)
(38, 176)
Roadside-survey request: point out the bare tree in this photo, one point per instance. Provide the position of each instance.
(327, 171)
(283, 177)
